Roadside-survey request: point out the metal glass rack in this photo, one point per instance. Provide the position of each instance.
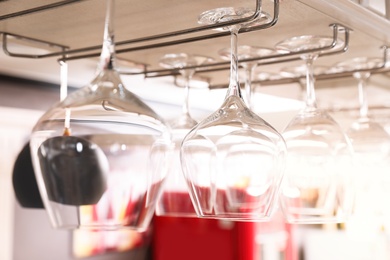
(65, 53)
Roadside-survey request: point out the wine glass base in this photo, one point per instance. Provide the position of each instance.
(227, 14)
(307, 43)
(246, 52)
(181, 60)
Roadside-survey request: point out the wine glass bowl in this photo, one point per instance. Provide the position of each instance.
(317, 186)
(100, 155)
(365, 134)
(318, 156)
(233, 160)
(371, 144)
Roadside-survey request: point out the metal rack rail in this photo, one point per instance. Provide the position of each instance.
(65, 53)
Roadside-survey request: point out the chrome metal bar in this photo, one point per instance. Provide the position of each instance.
(24, 38)
(374, 70)
(190, 39)
(328, 76)
(171, 72)
(38, 9)
(201, 28)
(269, 59)
(159, 37)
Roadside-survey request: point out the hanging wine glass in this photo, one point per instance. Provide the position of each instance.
(100, 155)
(317, 187)
(180, 61)
(247, 52)
(233, 159)
(371, 144)
(175, 199)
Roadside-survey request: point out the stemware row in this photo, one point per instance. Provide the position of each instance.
(105, 160)
(319, 183)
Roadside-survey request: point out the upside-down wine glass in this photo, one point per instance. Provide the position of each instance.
(317, 187)
(371, 144)
(175, 199)
(233, 160)
(247, 52)
(100, 154)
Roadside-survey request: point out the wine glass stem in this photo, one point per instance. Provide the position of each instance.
(67, 131)
(310, 92)
(63, 79)
(187, 77)
(249, 90)
(234, 85)
(108, 48)
(362, 87)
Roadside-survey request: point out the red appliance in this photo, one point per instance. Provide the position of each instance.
(207, 239)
